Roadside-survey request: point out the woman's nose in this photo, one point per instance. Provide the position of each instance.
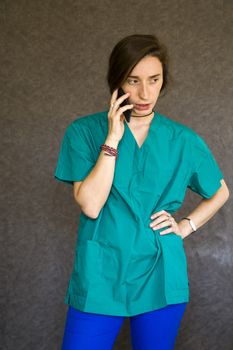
(143, 92)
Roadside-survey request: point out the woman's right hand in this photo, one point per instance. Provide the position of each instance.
(116, 116)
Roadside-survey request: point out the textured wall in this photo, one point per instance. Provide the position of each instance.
(53, 69)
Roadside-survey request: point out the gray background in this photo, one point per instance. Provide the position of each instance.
(53, 71)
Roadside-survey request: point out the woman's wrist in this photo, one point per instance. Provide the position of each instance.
(111, 142)
(185, 228)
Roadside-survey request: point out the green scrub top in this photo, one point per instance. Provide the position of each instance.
(122, 266)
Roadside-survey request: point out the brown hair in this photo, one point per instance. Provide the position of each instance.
(128, 52)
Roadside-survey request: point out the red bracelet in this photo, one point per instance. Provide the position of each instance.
(111, 151)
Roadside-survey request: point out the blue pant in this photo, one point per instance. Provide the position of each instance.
(154, 330)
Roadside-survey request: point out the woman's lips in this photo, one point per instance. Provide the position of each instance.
(142, 107)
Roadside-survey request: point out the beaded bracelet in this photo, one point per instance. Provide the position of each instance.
(111, 151)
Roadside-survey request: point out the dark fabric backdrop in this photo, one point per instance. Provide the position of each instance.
(53, 68)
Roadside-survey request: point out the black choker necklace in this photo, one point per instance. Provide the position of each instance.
(141, 115)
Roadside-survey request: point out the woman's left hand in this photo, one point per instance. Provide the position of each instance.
(163, 219)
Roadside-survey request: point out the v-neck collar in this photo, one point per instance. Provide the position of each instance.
(150, 131)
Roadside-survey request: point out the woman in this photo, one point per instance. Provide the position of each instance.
(128, 178)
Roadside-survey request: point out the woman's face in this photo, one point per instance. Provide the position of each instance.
(144, 84)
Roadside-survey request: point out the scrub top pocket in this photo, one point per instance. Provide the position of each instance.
(111, 263)
(89, 263)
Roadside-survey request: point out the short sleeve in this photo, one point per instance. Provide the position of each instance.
(205, 175)
(75, 159)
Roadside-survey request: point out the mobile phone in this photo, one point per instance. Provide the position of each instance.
(126, 113)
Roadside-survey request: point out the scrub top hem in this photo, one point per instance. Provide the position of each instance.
(78, 302)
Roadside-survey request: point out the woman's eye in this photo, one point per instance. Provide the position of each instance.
(135, 81)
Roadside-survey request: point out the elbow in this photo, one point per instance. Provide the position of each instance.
(89, 210)
(226, 193)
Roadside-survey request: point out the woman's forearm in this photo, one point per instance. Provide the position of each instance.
(96, 187)
(204, 211)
